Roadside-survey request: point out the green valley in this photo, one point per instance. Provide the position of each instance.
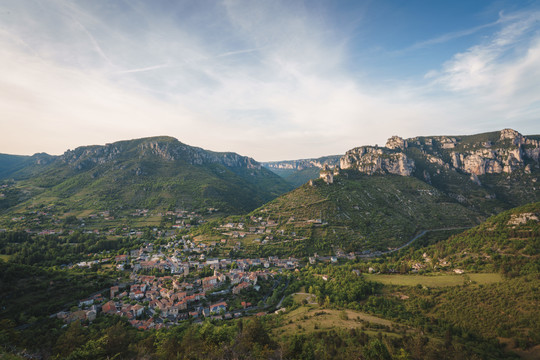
(427, 248)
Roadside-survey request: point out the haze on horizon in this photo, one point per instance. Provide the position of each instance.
(272, 80)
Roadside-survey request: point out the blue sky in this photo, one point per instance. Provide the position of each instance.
(268, 79)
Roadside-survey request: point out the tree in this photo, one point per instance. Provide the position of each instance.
(326, 301)
(118, 339)
(254, 341)
(71, 339)
(376, 350)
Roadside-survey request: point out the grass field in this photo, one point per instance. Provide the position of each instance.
(312, 318)
(485, 278)
(440, 280)
(148, 221)
(310, 298)
(4, 258)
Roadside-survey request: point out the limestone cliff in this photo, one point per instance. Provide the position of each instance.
(302, 164)
(371, 160)
(395, 142)
(506, 154)
(492, 153)
(165, 148)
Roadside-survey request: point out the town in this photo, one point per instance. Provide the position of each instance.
(150, 301)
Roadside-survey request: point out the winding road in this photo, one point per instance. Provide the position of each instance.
(422, 233)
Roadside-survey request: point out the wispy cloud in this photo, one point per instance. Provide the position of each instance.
(238, 52)
(267, 79)
(451, 36)
(483, 67)
(94, 42)
(143, 69)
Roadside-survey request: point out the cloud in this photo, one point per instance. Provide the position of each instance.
(147, 68)
(266, 79)
(503, 19)
(501, 73)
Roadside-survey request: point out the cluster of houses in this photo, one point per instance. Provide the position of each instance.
(172, 258)
(152, 301)
(39, 219)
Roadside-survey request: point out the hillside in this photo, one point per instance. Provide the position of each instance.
(10, 165)
(502, 165)
(358, 212)
(381, 197)
(500, 302)
(508, 242)
(154, 173)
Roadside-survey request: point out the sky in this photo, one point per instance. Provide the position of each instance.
(269, 79)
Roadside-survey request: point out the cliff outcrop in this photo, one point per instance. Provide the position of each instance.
(505, 151)
(371, 160)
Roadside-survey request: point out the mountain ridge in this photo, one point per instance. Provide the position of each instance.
(157, 172)
(493, 152)
(377, 197)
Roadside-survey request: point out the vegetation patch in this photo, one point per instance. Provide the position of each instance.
(436, 280)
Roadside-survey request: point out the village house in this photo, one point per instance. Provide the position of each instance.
(91, 315)
(137, 310)
(238, 288)
(86, 302)
(114, 291)
(109, 307)
(75, 316)
(181, 305)
(209, 282)
(216, 308)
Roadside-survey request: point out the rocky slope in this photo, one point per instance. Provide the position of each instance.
(164, 148)
(380, 196)
(502, 152)
(157, 172)
(303, 163)
(502, 164)
(370, 160)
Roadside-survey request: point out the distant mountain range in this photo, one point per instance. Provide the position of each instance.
(298, 172)
(156, 173)
(370, 198)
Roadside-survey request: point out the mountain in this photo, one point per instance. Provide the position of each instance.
(154, 173)
(298, 172)
(358, 212)
(502, 164)
(13, 164)
(380, 197)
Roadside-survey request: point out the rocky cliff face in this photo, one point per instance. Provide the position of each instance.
(168, 149)
(197, 156)
(487, 161)
(506, 155)
(371, 160)
(395, 142)
(493, 153)
(303, 163)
